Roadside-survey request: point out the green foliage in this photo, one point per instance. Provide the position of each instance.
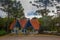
(50, 24)
(56, 21)
(13, 8)
(47, 23)
(43, 12)
(3, 22)
(17, 11)
(2, 32)
(45, 20)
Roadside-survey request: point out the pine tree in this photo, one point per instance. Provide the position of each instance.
(13, 9)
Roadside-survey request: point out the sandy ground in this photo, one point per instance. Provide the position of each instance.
(40, 37)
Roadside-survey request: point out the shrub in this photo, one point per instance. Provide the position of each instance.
(2, 32)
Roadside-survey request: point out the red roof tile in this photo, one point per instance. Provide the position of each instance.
(35, 23)
(23, 22)
(12, 24)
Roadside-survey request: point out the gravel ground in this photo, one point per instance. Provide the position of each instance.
(30, 38)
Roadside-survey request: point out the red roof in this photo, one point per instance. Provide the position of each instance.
(35, 23)
(23, 22)
(12, 24)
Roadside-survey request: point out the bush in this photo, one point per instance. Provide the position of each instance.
(2, 32)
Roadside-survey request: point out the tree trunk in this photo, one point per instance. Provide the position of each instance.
(7, 24)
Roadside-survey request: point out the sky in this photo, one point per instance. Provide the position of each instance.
(26, 5)
(2, 14)
(28, 8)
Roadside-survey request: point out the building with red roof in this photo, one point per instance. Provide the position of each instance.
(26, 24)
(35, 23)
(22, 22)
(15, 23)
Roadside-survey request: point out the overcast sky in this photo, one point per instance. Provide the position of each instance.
(28, 8)
(2, 14)
(26, 5)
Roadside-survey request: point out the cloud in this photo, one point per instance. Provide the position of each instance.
(2, 14)
(27, 6)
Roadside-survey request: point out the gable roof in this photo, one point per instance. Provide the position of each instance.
(35, 23)
(15, 23)
(22, 22)
(28, 25)
(12, 24)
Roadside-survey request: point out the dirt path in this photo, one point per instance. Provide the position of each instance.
(42, 37)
